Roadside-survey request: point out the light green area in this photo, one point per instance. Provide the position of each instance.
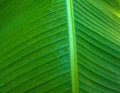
(72, 42)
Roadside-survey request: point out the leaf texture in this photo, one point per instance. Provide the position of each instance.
(98, 47)
(34, 47)
(59, 46)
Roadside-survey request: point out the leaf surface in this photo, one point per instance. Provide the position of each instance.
(59, 46)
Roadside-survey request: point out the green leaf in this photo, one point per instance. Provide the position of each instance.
(59, 46)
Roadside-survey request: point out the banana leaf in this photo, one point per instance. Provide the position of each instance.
(59, 46)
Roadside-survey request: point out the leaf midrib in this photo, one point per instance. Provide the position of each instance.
(72, 44)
